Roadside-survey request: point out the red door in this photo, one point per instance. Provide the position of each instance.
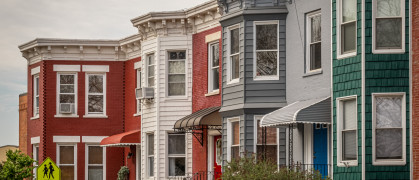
(217, 157)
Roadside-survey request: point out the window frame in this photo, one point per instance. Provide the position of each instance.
(75, 157)
(86, 165)
(138, 85)
(75, 114)
(36, 90)
(88, 114)
(268, 77)
(257, 118)
(388, 162)
(176, 155)
(308, 59)
(167, 73)
(339, 124)
(150, 66)
(230, 121)
(148, 172)
(210, 73)
(35, 156)
(339, 41)
(229, 55)
(403, 31)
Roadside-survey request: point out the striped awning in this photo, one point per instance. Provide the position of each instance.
(205, 117)
(313, 111)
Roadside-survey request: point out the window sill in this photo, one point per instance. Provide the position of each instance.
(95, 116)
(347, 163)
(34, 118)
(213, 93)
(347, 55)
(389, 162)
(388, 51)
(265, 78)
(314, 72)
(135, 115)
(176, 97)
(234, 81)
(66, 116)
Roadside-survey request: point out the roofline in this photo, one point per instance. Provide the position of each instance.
(23, 94)
(67, 42)
(16, 146)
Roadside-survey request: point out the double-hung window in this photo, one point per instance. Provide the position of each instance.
(176, 154)
(150, 70)
(138, 71)
(347, 27)
(67, 94)
(35, 155)
(313, 42)
(213, 67)
(266, 50)
(150, 155)
(66, 161)
(95, 162)
(177, 73)
(389, 129)
(388, 25)
(234, 54)
(347, 131)
(233, 151)
(96, 94)
(266, 141)
(36, 95)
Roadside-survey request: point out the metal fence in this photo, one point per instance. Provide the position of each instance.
(202, 175)
(323, 169)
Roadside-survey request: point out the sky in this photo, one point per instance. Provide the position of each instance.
(22, 21)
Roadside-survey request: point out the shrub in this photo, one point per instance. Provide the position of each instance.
(123, 173)
(17, 166)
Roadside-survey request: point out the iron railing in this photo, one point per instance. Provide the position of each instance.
(323, 169)
(202, 175)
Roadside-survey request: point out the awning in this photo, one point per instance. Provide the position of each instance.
(208, 117)
(130, 138)
(313, 111)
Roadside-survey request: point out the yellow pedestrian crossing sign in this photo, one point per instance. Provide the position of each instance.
(48, 171)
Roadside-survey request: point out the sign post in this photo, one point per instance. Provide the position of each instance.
(48, 170)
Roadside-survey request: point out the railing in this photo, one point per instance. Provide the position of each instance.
(202, 175)
(323, 169)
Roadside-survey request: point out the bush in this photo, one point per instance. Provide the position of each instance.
(17, 166)
(248, 168)
(123, 173)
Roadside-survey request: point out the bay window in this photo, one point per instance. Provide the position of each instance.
(177, 73)
(96, 94)
(233, 70)
(150, 70)
(266, 50)
(213, 67)
(347, 126)
(176, 154)
(314, 42)
(347, 12)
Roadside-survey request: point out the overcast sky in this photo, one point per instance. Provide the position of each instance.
(22, 21)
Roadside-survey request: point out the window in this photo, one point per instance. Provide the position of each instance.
(66, 161)
(233, 151)
(388, 25)
(67, 93)
(96, 94)
(389, 129)
(94, 162)
(347, 27)
(347, 129)
(35, 155)
(266, 144)
(314, 41)
(213, 67)
(234, 55)
(150, 155)
(36, 95)
(150, 70)
(176, 155)
(177, 73)
(138, 71)
(266, 50)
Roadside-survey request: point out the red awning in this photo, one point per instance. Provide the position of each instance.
(130, 138)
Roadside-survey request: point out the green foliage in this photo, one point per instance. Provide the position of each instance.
(17, 166)
(248, 168)
(123, 173)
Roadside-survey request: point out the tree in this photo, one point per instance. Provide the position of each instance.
(17, 166)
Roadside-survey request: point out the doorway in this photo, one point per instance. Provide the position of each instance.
(320, 161)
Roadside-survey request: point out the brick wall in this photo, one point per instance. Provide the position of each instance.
(23, 122)
(415, 88)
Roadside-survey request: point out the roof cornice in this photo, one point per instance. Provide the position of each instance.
(66, 42)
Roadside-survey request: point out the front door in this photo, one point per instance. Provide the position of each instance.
(320, 148)
(217, 157)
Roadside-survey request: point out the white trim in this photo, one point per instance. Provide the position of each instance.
(57, 113)
(86, 160)
(138, 76)
(35, 107)
(230, 135)
(35, 140)
(168, 156)
(138, 162)
(331, 155)
(410, 90)
(153, 54)
(147, 167)
(362, 89)
(87, 114)
(92, 139)
(389, 162)
(213, 37)
(309, 16)
(340, 162)
(35, 156)
(308, 143)
(137, 65)
(210, 157)
(213, 93)
(229, 80)
(268, 77)
(35, 70)
(339, 54)
(185, 60)
(403, 41)
(66, 68)
(66, 139)
(75, 157)
(95, 68)
(210, 75)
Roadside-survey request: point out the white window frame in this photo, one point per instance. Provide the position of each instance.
(138, 85)
(86, 160)
(58, 114)
(309, 16)
(229, 55)
(211, 90)
(388, 162)
(150, 66)
(270, 77)
(186, 73)
(230, 135)
(339, 120)
(75, 157)
(403, 33)
(257, 118)
(339, 17)
(35, 156)
(176, 155)
(35, 91)
(94, 114)
(149, 156)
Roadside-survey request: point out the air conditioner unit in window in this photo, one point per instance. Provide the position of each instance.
(66, 108)
(144, 93)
